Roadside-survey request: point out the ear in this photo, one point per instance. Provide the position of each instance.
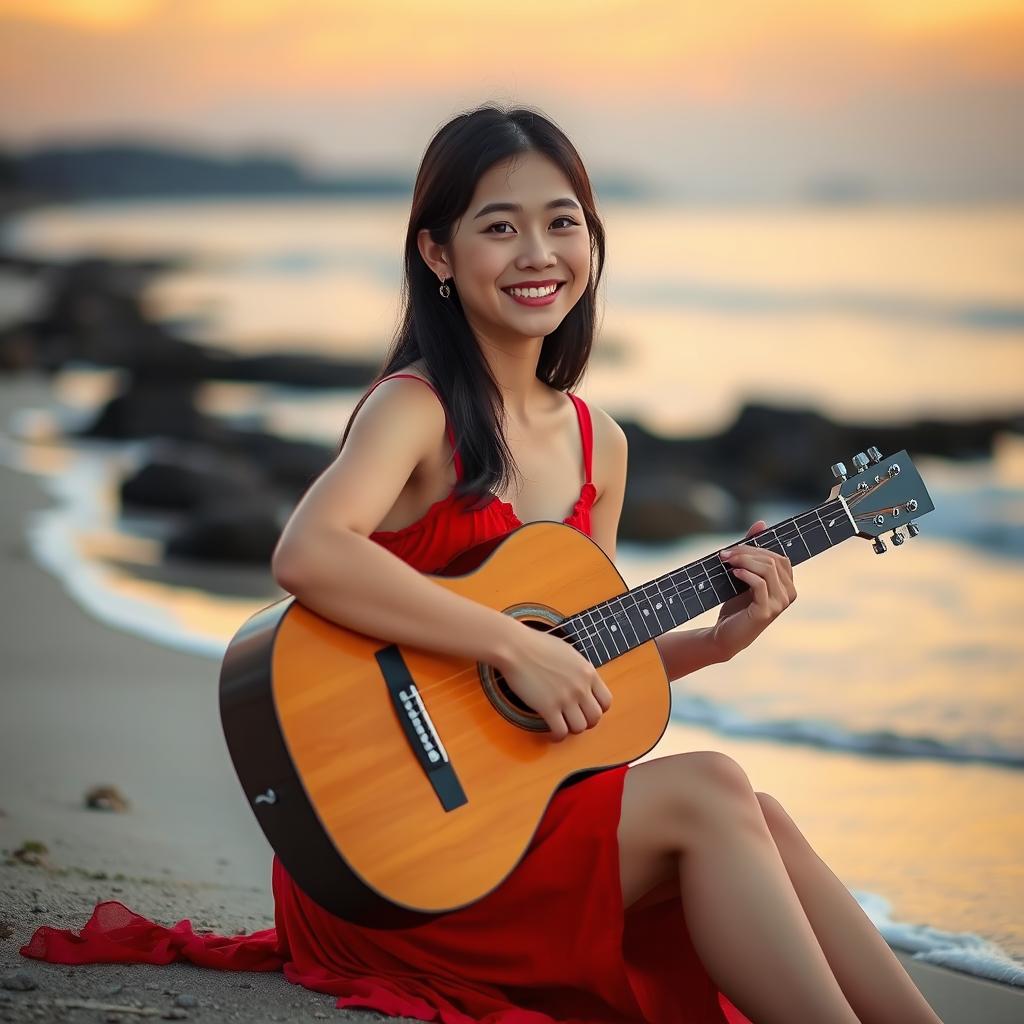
(434, 255)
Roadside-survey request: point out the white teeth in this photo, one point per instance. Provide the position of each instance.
(533, 293)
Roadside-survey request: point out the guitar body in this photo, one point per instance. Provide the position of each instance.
(338, 769)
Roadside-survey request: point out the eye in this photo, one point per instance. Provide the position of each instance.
(569, 222)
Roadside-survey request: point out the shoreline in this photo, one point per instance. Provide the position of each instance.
(190, 848)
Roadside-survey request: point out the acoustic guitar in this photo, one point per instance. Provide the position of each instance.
(397, 784)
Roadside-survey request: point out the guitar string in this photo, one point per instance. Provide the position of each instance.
(472, 671)
(677, 591)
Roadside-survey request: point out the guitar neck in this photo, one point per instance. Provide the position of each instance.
(606, 630)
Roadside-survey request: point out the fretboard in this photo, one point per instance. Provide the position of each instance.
(606, 630)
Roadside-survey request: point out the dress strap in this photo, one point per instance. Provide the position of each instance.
(447, 422)
(586, 432)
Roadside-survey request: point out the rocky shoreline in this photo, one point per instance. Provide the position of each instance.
(236, 486)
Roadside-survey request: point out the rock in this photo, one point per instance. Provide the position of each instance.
(33, 852)
(106, 798)
(175, 1013)
(186, 1000)
(661, 510)
(228, 535)
(18, 981)
(173, 485)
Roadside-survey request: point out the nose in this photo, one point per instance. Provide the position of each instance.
(535, 253)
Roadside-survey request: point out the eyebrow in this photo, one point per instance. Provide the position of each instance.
(516, 208)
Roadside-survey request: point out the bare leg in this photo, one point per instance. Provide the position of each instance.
(872, 978)
(742, 913)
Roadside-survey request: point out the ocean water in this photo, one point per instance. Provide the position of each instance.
(884, 708)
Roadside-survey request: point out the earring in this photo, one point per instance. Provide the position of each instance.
(444, 289)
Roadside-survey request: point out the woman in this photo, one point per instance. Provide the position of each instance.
(667, 892)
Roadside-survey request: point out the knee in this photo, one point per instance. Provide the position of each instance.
(712, 781)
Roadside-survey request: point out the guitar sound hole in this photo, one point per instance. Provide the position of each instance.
(504, 688)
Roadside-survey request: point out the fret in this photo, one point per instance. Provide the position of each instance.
(642, 613)
(626, 607)
(594, 626)
(687, 594)
(800, 551)
(720, 578)
(658, 606)
(614, 630)
(637, 619)
(586, 640)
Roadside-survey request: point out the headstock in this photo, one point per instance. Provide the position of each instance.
(883, 494)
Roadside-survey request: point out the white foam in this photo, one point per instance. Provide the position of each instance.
(961, 951)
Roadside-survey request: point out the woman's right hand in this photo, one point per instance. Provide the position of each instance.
(552, 677)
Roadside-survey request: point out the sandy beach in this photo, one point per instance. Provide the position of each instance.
(84, 705)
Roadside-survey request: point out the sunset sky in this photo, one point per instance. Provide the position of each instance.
(751, 99)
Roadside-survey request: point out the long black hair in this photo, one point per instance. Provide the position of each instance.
(436, 331)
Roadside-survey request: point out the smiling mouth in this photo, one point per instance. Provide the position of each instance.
(543, 295)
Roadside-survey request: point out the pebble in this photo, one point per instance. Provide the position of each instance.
(19, 981)
(186, 1000)
(113, 990)
(175, 1013)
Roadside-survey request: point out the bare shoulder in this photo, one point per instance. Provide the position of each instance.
(610, 451)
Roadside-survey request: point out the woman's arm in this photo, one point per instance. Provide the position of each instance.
(682, 650)
(326, 559)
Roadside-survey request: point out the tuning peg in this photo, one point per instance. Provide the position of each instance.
(874, 454)
(839, 471)
(913, 529)
(897, 538)
(860, 462)
(879, 546)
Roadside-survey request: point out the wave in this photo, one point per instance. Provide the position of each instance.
(961, 951)
(695, 710)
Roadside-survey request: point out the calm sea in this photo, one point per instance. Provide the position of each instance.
(884, 709)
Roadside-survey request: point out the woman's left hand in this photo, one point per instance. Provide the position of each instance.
(770, 577)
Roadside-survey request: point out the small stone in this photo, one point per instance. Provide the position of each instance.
(39, 909)
(175, 1013)
(18, 981)
(186, 1000)
(106, 798)
(33, 852)
(113, 990)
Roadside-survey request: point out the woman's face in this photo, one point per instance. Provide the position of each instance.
(490, 252)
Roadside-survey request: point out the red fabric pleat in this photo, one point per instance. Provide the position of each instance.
(551, 945)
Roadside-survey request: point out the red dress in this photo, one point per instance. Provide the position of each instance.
(550, 944)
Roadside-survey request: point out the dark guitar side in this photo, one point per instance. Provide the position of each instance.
(346, 805)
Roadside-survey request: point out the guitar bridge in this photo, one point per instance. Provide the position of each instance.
(419, 730)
